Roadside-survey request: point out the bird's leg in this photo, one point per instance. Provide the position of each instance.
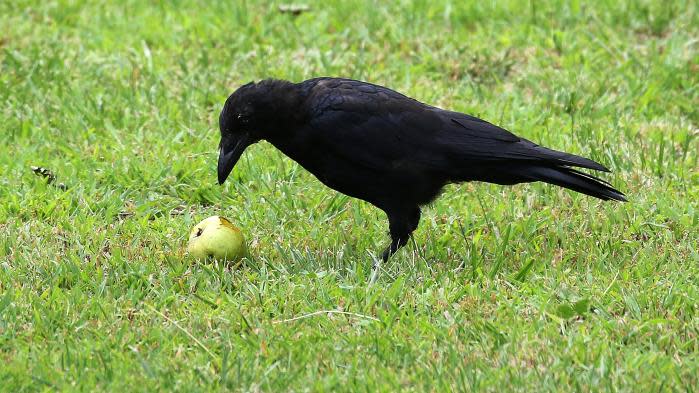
(401, 226)
(396, 243)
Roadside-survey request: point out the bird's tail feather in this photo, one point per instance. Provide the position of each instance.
(573, 179)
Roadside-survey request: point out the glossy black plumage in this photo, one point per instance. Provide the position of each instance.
(375, 144)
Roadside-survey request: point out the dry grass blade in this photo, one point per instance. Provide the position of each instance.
(326, 312)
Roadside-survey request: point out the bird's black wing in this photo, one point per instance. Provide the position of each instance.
(375, 127)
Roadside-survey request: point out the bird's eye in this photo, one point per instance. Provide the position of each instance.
(242, 118)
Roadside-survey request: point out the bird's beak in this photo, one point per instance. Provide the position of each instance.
(231, 148)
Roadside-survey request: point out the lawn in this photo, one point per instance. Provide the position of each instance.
(524, 288)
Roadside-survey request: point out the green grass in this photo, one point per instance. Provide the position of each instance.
(525, 288)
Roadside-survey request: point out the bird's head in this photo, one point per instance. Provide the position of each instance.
(252, 113)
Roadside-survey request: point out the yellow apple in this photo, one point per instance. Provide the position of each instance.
(216, 238)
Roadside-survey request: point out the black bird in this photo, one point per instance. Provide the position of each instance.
(375, 144)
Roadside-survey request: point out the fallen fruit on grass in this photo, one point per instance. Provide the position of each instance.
(216, 238)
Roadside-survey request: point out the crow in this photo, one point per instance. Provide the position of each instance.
(375, 144)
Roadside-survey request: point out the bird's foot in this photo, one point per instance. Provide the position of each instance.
(375, 269)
